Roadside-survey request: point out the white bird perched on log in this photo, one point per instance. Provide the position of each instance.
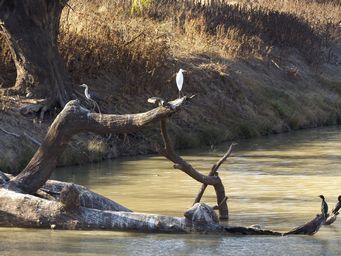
(88, 96)
(180, 79)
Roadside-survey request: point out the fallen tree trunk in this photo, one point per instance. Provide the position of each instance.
(30, 199)
(28, 211)
(22, 210)
(88, 198)
(52, 189)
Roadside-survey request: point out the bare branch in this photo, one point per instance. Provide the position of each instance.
(222, 160)
(179, 163)
(213, 172)
(75, 119)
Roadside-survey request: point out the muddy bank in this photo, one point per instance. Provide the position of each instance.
(235, 99)
(250, 78)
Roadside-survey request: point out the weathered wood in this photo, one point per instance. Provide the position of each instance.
(75, 119)
(201, 214)
(61, 205)
(88, 198)
(213, 172)
(179, 163)
(70, 198)
(22, 210)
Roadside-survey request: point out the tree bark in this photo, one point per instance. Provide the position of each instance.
(75, 119)
(21, 210)
(60, 205)
(30, 28)
(213, 172)
(181, 164)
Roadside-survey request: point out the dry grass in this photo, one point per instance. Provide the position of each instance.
(245, 29)
(7, 69)
(99, 37)
(229, 50)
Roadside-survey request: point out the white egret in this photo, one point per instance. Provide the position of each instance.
(180, 79)
(88, 96)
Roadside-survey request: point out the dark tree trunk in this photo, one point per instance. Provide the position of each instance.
(31, 28)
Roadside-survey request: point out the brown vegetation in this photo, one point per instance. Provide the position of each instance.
(269, 66)
(105, 37)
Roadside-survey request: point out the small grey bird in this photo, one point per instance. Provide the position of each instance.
(89, 97)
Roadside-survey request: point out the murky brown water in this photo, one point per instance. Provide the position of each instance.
(272, 181)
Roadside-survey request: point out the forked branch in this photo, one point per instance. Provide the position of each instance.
(181, 164)
(76, 119)
(213, 172)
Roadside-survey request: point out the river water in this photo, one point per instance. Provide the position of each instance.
(272, 181)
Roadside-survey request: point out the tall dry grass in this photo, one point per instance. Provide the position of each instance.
(7, 68)
(102, 38)
(106, 37)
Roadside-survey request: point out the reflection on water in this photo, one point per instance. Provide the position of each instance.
(273, 181)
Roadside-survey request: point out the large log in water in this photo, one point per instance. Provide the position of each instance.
(95, 212)
(22, 210)
(30, 199)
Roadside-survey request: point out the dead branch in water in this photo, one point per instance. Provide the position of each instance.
(179, 163)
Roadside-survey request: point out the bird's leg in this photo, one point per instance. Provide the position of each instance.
(126, 139)
(179, 94)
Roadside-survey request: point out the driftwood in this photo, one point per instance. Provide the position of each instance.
(181, 164)
(213, 172)
(30, 199)
(75, 119)
(22, 210)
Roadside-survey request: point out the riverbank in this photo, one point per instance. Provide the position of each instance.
(247, 84)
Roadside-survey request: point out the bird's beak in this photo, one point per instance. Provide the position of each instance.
(184, 71)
